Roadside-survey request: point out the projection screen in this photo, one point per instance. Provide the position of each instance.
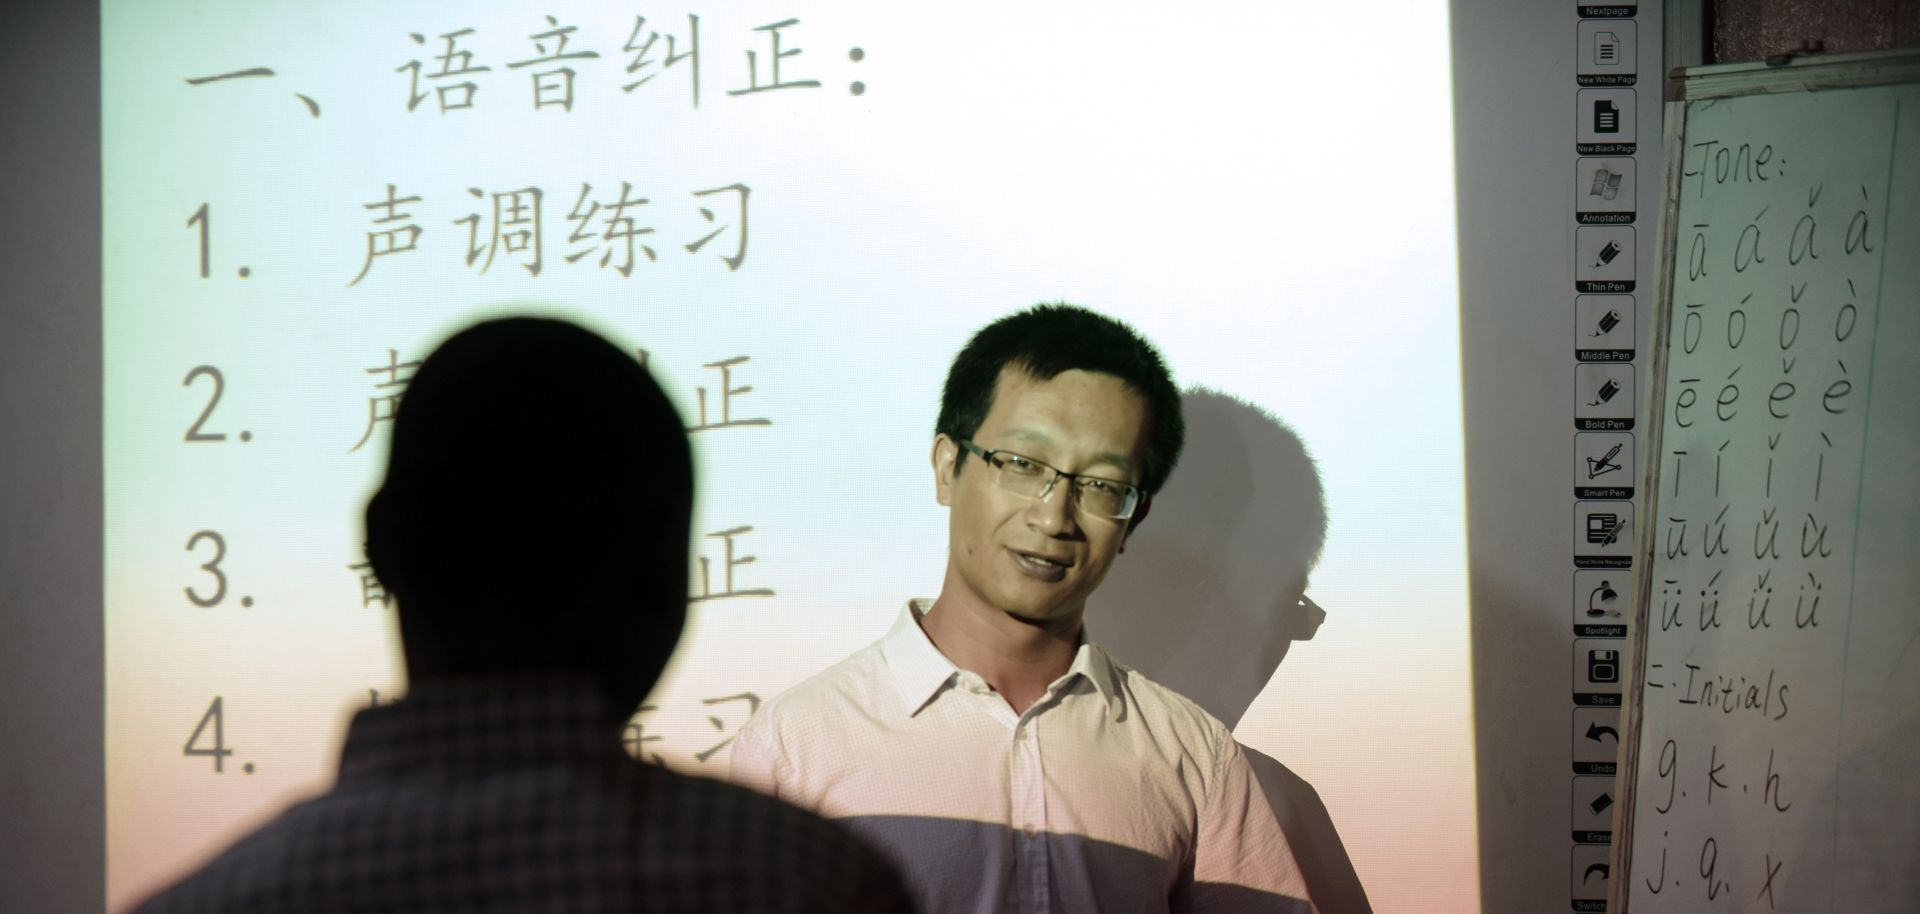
(796, 212)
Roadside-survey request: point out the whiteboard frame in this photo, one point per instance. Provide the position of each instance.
(1685, 86)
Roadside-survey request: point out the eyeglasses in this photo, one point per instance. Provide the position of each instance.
(1023, 475)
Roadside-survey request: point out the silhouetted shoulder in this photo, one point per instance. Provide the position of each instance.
(763, 854)
(627, 838)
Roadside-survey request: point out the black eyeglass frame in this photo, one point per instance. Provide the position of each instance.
(1132, 495)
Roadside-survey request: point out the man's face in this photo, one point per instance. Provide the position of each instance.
(1039, 559)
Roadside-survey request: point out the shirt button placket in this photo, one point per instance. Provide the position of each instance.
(1029, 807)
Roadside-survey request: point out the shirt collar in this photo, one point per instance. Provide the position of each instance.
(1091, 663)
(919, 671)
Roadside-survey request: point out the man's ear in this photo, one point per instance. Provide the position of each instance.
(945, 453)
(1139, 517)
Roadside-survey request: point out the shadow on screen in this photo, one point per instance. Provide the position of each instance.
(1083, 867)
(1211, 595)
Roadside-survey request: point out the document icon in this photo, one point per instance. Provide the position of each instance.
(1604, 125)
(1606, 116)
(1606, 49)
(1606, 55)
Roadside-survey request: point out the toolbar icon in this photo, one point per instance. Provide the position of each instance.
(1596, 740)
(1605, 123)
(1608, 53)
(1603, 191)
(1603, 259)
(1602, 602)
(1593, 809)
(1603, 534)
(1603, 328)
(1596, 673)
(1591, 870)
(1606, 49)
(1603, 396)
(1603, 465)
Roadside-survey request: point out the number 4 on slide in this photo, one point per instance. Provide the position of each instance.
(218, 751)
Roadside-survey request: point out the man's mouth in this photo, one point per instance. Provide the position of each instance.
(1041, 567)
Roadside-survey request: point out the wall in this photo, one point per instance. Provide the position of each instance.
(51, 770)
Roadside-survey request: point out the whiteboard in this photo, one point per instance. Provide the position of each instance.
(1772, 740)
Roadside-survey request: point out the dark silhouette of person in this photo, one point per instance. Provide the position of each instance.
(533, 527)
(1218, 596)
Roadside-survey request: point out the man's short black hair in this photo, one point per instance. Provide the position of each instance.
(1046, 340)
(536, 507)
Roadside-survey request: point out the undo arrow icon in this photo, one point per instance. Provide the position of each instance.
(1594, 732)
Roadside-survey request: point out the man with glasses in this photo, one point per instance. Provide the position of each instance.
(1004, 761)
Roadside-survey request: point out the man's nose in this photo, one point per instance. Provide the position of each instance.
(1051, 512)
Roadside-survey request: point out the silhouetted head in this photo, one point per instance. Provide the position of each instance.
(536, 510)
(1214, 597)
(1046, 340)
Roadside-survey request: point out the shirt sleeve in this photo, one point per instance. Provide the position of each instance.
(1242, 862)
(756, 758)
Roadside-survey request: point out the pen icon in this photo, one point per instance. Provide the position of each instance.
(1604, 464)
(1606, 392)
